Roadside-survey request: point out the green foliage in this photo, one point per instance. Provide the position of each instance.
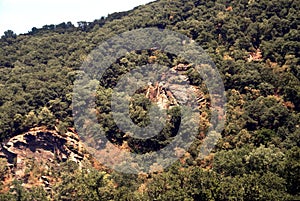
(19, 193)
(266, 112)
(258, 155)
(291, 172)
(3, 169)
(76, 183)
(184, 184)
(84, 185)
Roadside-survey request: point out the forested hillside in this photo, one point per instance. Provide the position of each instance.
(254, 45)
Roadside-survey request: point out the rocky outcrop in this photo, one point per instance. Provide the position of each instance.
(42, 144)
(160, 95)
(174, 89)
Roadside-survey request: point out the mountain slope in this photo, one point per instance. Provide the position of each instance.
(255, 47)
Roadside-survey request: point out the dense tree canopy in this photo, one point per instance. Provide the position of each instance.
(255, 46)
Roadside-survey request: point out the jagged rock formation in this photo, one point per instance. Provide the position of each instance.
(42, 144)
(35, 157)
(170, 93)
(159, 94)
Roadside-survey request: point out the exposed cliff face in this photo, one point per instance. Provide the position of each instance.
(42, 144)
(43, 147)
(170, 93)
